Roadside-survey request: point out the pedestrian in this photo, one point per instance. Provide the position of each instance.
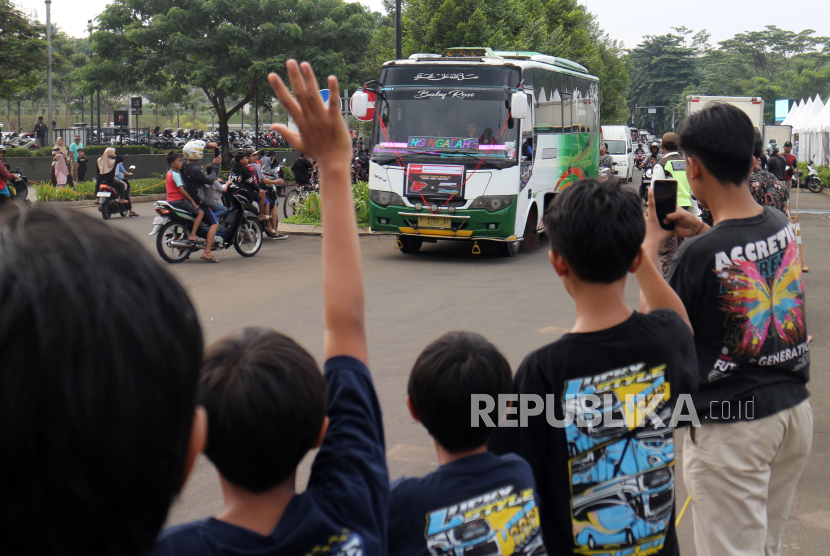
(302, 170)
(40, 130)
(60, 156)
(593, 475)
(126, 379)
(742, 465)
(792, 163)
(73, 151)
(777, 164)
(82, 160)
(672, 166)
(766, 189)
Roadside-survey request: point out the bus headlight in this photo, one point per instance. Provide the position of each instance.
(385, 198)
(492, 203)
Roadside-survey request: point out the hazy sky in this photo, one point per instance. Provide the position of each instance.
(624, 21)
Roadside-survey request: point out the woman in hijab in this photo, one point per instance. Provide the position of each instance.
(106, 174)
(59, 156)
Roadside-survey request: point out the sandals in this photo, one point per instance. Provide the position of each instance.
(134, 214)
(208, 259)
(271, 233)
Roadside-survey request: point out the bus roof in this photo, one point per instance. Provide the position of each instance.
(488, 56)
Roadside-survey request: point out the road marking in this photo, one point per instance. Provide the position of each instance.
(679, 517)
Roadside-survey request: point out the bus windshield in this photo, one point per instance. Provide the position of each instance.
(450, 113)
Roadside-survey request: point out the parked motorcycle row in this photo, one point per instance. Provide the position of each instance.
(19, 140)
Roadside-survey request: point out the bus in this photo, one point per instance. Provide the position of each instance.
(474, 144)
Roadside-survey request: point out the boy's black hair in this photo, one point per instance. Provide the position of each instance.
(209, 168)
(759, 145)
(598, 227)
(172, 157)
(239, 155)
(722, 137)
(266, 401)
(97, 399)
(445, 375)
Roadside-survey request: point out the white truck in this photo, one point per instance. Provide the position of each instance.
(752, 106)
(778, 134)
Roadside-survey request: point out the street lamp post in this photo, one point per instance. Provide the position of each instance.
(48, 70)
(398, 52)
(91, 96)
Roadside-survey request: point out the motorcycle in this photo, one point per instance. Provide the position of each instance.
(238, 227)
(646, 184)
(813, 182)
(109, 204)
(20, 185)
(639, 160)
(606, 172)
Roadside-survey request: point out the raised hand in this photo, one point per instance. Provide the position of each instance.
(322, 131)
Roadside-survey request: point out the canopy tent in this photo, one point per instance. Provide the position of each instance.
(806, 115)
(811, 146)
(793, 110)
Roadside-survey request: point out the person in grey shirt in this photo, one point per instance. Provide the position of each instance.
(605, 160)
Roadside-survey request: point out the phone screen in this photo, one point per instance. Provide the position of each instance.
(665, 199)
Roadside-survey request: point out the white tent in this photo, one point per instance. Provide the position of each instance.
(810, 144)
(819, 139)
(803, 116)
(790, 114)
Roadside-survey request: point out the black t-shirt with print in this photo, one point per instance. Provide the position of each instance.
(481, 504)
(606, 484)
(777, 164)
(302, 170)
(741, 285)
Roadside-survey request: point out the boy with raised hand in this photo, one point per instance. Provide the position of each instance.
(266, 400)
(601, 448)
(742, 286)
(475, 502)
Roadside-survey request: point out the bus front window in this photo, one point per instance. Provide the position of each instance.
(465, 120)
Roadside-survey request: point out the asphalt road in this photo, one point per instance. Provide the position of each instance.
(519, 304)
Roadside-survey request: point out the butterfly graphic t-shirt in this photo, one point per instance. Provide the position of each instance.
(742, 287)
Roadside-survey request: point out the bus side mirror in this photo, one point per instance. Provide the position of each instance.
(518, 104)
(360, 104)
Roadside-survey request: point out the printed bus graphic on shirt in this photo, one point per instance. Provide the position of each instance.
(347, 543)
(622, 467)
(498, 523)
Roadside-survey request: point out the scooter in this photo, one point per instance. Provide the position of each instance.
(646, 184)
(813, 182)
(238, 227)
(108, 201)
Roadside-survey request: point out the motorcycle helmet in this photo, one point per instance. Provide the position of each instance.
(653, 144)
(194, 150)
(772, 149)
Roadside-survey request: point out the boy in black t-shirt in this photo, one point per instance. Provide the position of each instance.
(81, 165)
(741, 284)
(475, 502)
(602, 451)
(267, 403)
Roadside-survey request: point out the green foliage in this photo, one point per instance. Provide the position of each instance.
(20, 153)
(309, 210)
(773, 64)
(226, 47)
(45, 193)
(288, 173)
(557, 27)
(22, 49)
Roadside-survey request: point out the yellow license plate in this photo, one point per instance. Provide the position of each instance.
(434, 222)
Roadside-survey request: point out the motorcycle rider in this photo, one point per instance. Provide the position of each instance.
(639, 149)
(672, 166)
(193, 178)
(5, 178)
(654, 147)
(605, 160)
(271, 205)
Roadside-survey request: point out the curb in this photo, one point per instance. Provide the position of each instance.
(307, 230)
(134, 200)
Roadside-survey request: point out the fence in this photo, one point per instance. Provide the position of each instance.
(104, 136)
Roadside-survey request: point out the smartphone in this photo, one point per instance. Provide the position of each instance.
(665, 199)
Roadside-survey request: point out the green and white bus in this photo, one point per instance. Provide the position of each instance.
(473, 144)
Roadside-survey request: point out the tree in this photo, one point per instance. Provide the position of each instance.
(227, 47)
(661, 69)
(22, 49)
(554, 27)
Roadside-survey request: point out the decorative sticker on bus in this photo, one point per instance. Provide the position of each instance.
(444, 94)
(443, 142)
(443, 76)
(435, 180)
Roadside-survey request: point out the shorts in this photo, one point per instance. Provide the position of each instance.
(219, 209)
(209, 217)
(183, 204)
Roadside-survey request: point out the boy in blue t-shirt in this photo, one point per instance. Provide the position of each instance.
(602, 451)
(475, 502)
(268, 404)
